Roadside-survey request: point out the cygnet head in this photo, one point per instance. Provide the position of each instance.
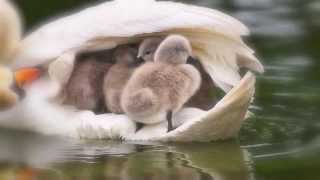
(148, 47)
(175, 49)
(126, 55)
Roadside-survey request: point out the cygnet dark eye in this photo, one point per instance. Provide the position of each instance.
(148, 53)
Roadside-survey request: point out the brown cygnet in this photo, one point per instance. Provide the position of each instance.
(118, 76)
(84, 89)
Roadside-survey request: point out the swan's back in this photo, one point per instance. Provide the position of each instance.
(215, 36)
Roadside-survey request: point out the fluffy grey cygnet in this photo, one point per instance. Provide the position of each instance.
(118, 76)
(158, 89)
(205, 97)
(84, 89)
(148, 48)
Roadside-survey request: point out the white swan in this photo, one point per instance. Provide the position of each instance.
(215, 38)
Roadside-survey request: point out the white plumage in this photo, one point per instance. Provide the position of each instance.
(215, 38)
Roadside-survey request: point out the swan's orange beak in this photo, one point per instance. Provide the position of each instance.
(26, 76)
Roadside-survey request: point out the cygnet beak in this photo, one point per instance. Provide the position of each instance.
(191, 60)
(140, 60)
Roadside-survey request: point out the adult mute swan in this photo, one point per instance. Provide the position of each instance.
(216, 41)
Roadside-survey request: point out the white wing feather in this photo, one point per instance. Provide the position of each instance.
(215, 35)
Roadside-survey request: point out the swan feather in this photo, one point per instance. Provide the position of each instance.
(217, 35)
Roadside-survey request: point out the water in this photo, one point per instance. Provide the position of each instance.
(281, 142)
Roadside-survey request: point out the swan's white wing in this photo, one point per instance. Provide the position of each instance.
(219, 34)
(10, 30)
(222, 57)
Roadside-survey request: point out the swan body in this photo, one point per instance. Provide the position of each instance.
(214, 36)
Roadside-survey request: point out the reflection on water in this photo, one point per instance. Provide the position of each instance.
(33, 156)
(282, 139)
(29, 156)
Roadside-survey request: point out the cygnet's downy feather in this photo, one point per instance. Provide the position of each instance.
(162, 86)
(84, 89)
(117, 77)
